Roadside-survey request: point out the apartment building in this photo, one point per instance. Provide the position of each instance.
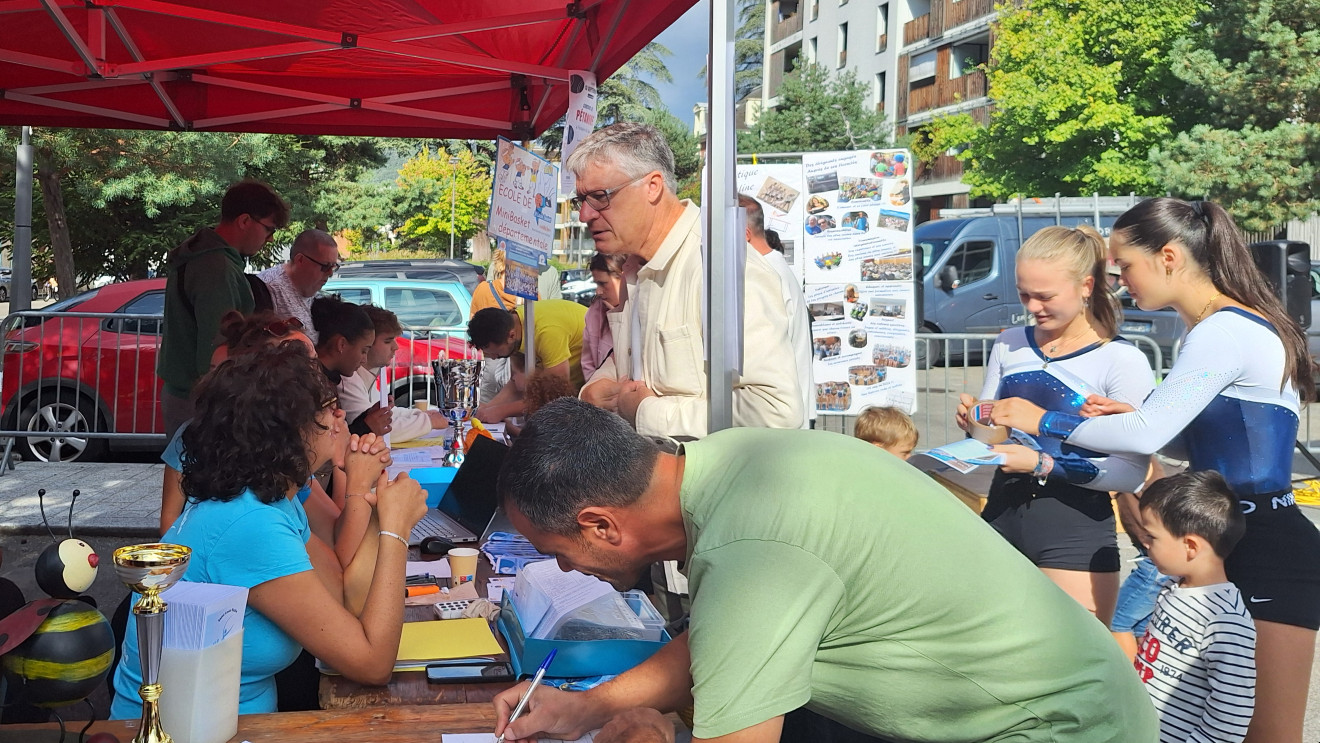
(919, 57)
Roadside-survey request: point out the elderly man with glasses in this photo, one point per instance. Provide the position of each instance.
(313, 259)
(206, 280)
(656, 379)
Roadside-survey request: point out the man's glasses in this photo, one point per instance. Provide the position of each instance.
(281, 328)
(600, 200)
(326, 268)
(270, 228)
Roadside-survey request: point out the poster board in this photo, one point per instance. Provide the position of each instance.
(522, 212)
(778, 187)
(857, 261)
(579, 120)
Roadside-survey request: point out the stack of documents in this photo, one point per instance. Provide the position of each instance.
(554, 605)
(426, 642)
(201, 661)
(509, 552)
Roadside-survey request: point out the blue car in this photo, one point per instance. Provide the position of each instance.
(435, 307)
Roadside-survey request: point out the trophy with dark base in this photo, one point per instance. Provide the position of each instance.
(149, 569)
(459, 384)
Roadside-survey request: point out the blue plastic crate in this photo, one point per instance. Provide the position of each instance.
(576, 658)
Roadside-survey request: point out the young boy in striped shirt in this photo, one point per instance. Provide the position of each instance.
(1198, 656)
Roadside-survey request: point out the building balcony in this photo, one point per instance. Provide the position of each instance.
(959, 12)
(917, 29)
(943, 93)
(945, 168)
(786, 28)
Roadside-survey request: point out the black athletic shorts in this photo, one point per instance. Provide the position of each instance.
(1276, 566)
(1057, 525)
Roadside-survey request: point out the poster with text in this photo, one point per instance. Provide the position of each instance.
(522, 205)
(522, 268)
(857, 260)
(578, 123)
(778, 188)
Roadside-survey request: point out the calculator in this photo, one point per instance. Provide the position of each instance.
(452, 609)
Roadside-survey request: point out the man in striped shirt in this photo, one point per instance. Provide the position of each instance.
(1198, 656)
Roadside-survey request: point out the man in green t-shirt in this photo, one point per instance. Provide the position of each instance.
(498, 333)
(824, 573)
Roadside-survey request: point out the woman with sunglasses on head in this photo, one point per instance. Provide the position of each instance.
(264, 423)
(1053, 505)
(1230, 403)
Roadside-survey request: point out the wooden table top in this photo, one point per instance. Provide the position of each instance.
(370, 725)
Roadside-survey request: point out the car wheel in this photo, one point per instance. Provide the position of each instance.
(930, 352)
(59, 420)
(4, 294)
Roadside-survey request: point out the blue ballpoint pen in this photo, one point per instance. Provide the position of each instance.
(522, 703)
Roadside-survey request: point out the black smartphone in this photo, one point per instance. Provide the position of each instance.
(467, 673)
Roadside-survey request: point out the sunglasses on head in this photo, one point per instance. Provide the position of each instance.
(281, 328)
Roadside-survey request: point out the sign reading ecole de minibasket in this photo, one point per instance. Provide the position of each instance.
(522, 214)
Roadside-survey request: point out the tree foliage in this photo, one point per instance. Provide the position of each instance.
(748, 49)
(1082, 92)
(1253, 89)
(820, 112)
(427, 186)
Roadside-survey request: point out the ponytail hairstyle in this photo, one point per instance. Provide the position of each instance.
(1216, 245)
(1081, 252)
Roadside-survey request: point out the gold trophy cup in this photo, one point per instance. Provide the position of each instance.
(149, 569)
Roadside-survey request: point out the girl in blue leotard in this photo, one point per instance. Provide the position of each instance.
(1230, 404)
(1053, 505)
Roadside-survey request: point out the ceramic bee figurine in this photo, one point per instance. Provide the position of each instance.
(67, 568)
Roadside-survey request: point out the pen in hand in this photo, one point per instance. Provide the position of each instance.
(522, 703)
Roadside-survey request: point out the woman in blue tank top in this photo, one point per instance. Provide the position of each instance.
(1229, 404)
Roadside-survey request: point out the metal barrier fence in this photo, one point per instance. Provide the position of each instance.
(72, 382)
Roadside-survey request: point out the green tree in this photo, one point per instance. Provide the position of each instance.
(1253, 87)
(1082, 92)
(748, 49)
(817, 112)
(627, 95)
(424, 196)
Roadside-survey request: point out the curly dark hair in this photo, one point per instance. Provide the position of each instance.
(491, 325)
(253, 417)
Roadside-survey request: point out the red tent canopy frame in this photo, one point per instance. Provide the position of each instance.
(464, 69)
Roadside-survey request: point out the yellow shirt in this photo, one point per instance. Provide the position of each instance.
(558, 335)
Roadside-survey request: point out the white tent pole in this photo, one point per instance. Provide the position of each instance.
(725, 234)
(20, 286)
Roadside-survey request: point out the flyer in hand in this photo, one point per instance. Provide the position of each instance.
(966, 455)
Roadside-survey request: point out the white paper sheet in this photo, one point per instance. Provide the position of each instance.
(490, 738)
(433, 568)
(552, 594)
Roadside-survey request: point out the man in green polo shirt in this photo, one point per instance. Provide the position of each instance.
(824, 573)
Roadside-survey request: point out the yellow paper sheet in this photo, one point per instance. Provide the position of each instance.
(447, 638)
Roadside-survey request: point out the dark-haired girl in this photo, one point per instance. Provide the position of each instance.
(263, 423)
(1229, 404)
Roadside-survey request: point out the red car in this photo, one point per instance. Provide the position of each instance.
(66, 375)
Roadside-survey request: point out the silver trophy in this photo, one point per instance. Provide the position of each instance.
(459, 384)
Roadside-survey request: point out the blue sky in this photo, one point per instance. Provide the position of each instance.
(689, 40)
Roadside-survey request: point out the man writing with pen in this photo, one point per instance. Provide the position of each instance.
(822, 574)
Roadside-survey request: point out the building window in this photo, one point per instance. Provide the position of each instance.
(815, 9)
(843, 45)
(812, 49)
(882, 28)
(880, 92)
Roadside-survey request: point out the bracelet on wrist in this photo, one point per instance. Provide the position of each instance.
(1044, 465)
(386, 533)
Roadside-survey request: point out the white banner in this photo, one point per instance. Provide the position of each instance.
(779, 189)
(578, 123)
(858, 260)
(522, 205)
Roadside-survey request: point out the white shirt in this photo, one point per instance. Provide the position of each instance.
(1198, 661)
(799, 330)
(664, 301)
(289, 302)
(357, 392)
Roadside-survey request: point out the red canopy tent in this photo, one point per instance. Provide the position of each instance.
(391, 68)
